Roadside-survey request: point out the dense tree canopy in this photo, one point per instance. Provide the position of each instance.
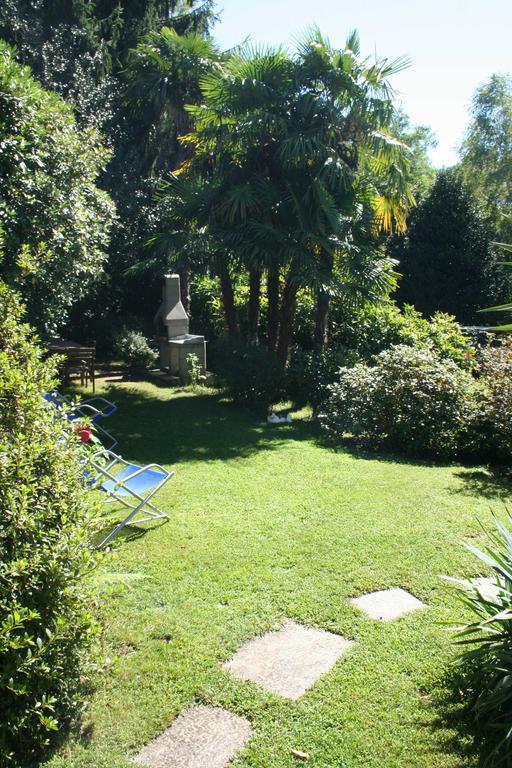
(293, 174)
(55, 220)
(447, 258)
(80, 49)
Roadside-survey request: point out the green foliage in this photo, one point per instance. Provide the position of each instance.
(251, 376)
(206, 306)
(409, 399)
(294, 169)
(487, 643)
(311, 372)
(132, 347)
(379, 326)
(54, 218)
(79, 49)
(419, 139)
(486, 152)
(45, 527)
(447, 258)
(194, 370)
(495, 370)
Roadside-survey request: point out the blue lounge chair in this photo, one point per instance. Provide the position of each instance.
(130, 484)
(97, 408)
(75, 412)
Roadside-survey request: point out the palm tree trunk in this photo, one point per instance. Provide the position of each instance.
(228, 302)
(288, 306)
(273, 306)
(322, 304)
(254, 304)
(321, 319)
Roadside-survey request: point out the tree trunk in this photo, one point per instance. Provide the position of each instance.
(322, 305)
(228, 302)
(254, 304)
(273, 306)
(287, 318)
(184, 272)
(322, 319)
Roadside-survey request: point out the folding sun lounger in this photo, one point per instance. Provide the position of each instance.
(98, 406)
(130, 484)
(85, 408)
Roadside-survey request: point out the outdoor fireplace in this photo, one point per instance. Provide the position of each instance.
(174, 341)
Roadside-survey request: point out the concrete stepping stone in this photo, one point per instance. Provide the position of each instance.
(288, 661)
(487, 587)
(388, 604)
(202, 737)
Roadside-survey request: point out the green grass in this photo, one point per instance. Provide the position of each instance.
(268, 524)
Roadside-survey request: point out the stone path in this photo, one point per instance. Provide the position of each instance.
(203, 737)
(387, 604)
(288, 661)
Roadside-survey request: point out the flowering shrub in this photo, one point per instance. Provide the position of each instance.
(45, 527)
(84, 432)
(55, 219)
(409, 398)
(132, 347)
(380, 326)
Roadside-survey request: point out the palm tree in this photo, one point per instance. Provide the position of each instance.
(162, 76)
(297, 175)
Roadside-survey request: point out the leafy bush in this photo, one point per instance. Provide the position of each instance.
(56, 220)
(311, 372)
(379, 326)
(45, 524)
(488, 660)
(132, 347)
(251, 375)
(409, 398)
(495, 370)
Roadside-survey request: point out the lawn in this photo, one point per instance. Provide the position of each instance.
(269, 524)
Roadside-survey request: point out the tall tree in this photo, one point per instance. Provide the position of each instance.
(300, 171)
(486, 151)
(447, 258)
(80, 49)
(420, 139)
(55, 221)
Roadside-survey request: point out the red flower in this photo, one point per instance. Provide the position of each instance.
(84, 432)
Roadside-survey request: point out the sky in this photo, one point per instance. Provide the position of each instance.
(454, 46)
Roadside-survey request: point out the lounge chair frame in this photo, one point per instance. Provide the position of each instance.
(142, 501)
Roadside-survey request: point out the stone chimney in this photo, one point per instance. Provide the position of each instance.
(174, 340)
(171, 312)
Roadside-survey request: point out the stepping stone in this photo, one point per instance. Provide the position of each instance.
(387, 604)
(487, 587)
(288, 661)
(202, 737)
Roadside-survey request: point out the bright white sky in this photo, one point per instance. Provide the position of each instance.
(454, 45)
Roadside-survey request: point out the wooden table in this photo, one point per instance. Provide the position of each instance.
(79, 359)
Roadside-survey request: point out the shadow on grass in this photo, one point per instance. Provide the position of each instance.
(198, 426)
(130, 532)
(205, 426)
(368, 452)
(462, 735)
(490, 483)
